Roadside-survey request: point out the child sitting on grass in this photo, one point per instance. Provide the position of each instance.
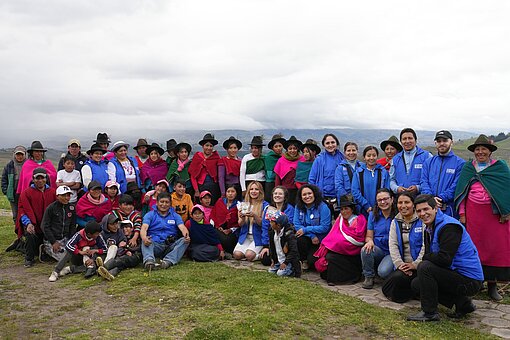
(205, 202)
(128, 256)
(205, 244)
(81, 250)
(283, 247)
(113, 236)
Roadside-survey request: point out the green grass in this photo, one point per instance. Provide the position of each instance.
(213, 301)
(4, 202)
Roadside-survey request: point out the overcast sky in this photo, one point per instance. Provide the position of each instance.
(82, 66)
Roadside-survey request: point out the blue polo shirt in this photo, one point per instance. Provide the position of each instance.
(160, 227)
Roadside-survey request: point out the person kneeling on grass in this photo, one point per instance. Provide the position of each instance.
(161, 235)
(205, 243)
(283, 247)
(81, 250)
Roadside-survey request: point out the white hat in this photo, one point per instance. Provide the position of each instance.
(119, 144)
(63, 189)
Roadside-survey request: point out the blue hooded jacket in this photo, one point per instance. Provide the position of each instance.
(322, 173)
(344, 174)
(402, 177)
(364, 193)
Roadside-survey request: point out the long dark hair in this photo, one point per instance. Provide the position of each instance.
(285, 197)
(316, 194)
(376, 209)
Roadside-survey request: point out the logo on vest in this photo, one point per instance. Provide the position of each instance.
(450, 171)
(418, 230)
(418, 166)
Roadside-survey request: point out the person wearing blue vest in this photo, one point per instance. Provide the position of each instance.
(127, 173)
(450, 271)
(96, 168)
(375, 254)
(406, 250)
(440, 174)
(163, 235)
(405, 172)
(323, 169)
(368, 178)
(345, 170)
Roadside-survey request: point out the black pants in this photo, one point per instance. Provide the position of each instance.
(397, 286)
(76, 263)
(33, 241)
(228, 242)
(440, 285)
(306, 250)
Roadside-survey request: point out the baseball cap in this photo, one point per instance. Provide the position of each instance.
(112, 218)
(39, 172)
(74, 141)
(199, 207)
(443, 134)
(204, 193)
(63, 189)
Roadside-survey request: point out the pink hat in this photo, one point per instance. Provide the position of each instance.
(164, 181)
(205, 192)
(110, 184)
(199, 207)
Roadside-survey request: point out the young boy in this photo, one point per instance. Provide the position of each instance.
(205, 244)
(81, 248)
(128, 257)
(181, 201)
(113, 236)
(283, 247)
(70, 177)
(127, 211)
(205, 201)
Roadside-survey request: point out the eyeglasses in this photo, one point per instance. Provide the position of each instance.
(382, 200)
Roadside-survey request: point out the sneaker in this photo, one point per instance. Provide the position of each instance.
(28, 263)
(53, 277)
(99, 262)
(41, 252)
(91, 271)
(65, 271)
(304, 265)
(424, 317)
(105, 274)
(149, 265)
(166, 264)
(368, 283)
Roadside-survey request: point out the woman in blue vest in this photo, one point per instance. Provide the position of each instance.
(375, 255)
(323, 170)
(127, 173)
(345, 170)
(368, 178)
(406, 250)
(96, 168)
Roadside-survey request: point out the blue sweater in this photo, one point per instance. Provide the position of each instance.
(365, 196)
(344, 174)
(322, 173)
(315, 222)
(439, 177)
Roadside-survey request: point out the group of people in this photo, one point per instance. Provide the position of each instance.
(432, 226)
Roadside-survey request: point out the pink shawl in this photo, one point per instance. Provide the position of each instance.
(283, 166)
(25, 176)
(155, 171)
(336, 241)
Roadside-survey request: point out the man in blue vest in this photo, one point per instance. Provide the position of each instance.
(440, 174)
(450, 271)
(405, 172)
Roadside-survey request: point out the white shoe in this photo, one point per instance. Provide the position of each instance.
(53, 277)
(65, 271)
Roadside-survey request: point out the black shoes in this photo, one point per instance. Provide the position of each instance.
(424, 317)
(492, 290)
(460, 313)
(368, 283)
(14, 245)
(28, 263)
(90, 272)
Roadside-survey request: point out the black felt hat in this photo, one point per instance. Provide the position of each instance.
(155, 146)
(170, 144)
(102, 138)
(183, 145)
(257, 141)
(95, 147)
(312, 145)
(208, 137)
(393, 141)
(36, 146)
(276, 138)
(292, 141)
(230, 140)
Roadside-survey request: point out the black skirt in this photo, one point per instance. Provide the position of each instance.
(342, 268)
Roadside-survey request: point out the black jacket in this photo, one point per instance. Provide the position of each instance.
(289, 245)
(79, 161)
(59, 221)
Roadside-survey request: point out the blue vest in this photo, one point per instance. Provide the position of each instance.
(403, 178)
(466, 261)
(415, 238)
(381, 229)
(99, 171)
(260, 232)
(120, 175)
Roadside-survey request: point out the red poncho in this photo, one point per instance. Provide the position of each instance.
(33, 202)
(86, 207)
(200, 167)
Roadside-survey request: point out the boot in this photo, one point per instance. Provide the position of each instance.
(492, 291)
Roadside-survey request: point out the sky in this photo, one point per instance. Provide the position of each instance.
(74, 68)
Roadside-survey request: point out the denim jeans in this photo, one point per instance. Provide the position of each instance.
(169, 253)
(281, 272)
(376, 258)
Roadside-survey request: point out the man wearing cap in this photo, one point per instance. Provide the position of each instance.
(141, 151)
(33, 202)
(36, 159)
(252, 165)
(440, 174)
(58, 223)
(10, 178)
(405, 172)
(74, 151)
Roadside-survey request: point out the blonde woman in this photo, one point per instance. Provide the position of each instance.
(253, 240)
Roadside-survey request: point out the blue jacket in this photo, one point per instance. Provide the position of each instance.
(322, 173)
(465, 261)
(315, 222)
(343, 178)
(415, 238)
(439, 177)
(99, 171)
(260, 232)
(160, 227)
(402, 177)
(364, 193)
(120, 175)
(381, 229)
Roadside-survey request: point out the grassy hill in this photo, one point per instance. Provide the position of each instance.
(460, 148)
